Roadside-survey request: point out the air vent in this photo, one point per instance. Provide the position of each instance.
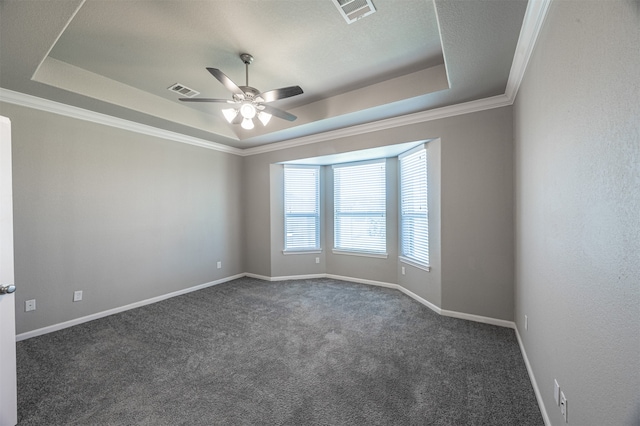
(183, 90)
(352, 10)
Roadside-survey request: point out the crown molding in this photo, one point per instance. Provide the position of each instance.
(388, 123)
(533, 21)
(47, 105)
(534, 18)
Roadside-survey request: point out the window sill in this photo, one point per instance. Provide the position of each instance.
(415, 264)
(288, 252)
(361, 253)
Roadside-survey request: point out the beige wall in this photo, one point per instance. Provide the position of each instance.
(474, 159)
(577, 132)
(122, 216)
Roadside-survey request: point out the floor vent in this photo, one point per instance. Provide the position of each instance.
(183, 90)
(352, 10)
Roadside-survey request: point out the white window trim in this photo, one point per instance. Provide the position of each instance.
(358, 163)
(409, 261)
(309, 250)
(360, 253)
(415, 264)
(421, 147)
(303, 251)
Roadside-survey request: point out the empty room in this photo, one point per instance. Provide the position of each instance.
(321, 212)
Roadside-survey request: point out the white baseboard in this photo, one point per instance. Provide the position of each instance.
(289, 277)
(258, 277)
(71, 323)
(454, 314)
(479, 318)
(536, 389)
(361, 281)
(425, 302)
(76, 321)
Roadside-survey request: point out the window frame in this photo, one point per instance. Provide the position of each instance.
(317, 215)
(382, 253)
(405, 257)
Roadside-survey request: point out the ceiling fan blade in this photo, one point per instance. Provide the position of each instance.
(226, 82)
(279, 113)
(226, 101)
(284, 92)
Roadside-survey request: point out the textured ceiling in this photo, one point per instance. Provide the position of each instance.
(119, 58)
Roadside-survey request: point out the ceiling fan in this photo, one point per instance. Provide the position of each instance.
(248, 101)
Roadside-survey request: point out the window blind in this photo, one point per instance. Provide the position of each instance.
(360, 207)
(414, 233)
(302, 208)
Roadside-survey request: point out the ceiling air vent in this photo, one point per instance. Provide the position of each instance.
(352, 10)
(183, 90)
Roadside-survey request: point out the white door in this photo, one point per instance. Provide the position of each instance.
(8, 390)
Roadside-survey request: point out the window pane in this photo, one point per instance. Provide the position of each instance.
(360, 221)
(414, 233)
(301, 208)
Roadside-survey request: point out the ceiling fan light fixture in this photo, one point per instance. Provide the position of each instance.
(230, 114)
(248, 100)
(248, 111)
(264, 117)
(247, 124)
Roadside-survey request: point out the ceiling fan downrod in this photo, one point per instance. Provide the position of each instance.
(247, 59)
(249, 99)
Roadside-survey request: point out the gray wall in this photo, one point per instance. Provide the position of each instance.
(126, 217)
(122, 216)
(577, 132)
(477, 214)
(475, 161)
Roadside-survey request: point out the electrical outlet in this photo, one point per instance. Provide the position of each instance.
(77, 296)
(556, 392)
(30, 305)
(219, 264)
(526, 322)
(317, 260)
(403, 271)
(563, 406)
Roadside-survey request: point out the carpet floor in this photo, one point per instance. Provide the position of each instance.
(302, 352)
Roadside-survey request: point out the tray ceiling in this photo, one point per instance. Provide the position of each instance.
(119, 58)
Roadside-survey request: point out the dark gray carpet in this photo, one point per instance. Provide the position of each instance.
(249, 352)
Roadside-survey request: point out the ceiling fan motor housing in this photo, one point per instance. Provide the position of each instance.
(249, 100)
(250, 94)
(246, 58)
